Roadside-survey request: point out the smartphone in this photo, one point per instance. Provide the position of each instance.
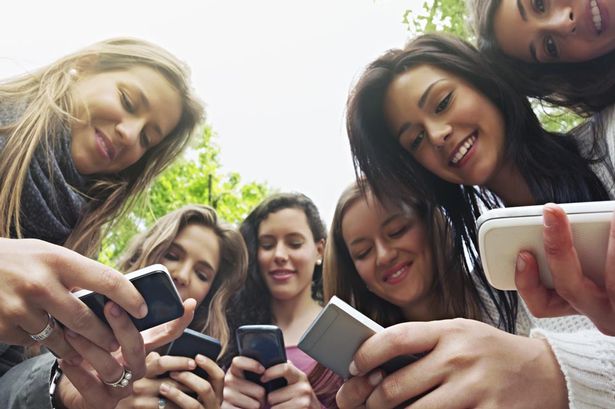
(337, 332)
(191, 343)
(503, 233)
(154, 283)
(265, 344)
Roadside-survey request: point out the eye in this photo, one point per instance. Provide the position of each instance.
(127, 102)
(266, 245)
(414, 145)
(362, 254)
(169, 255)
(539, 6)
(145, 142)
(550, 47)
(202, 275)
(295, 244)
(444, 103)
(398, 232)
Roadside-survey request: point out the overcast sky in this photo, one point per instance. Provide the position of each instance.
(274, 74)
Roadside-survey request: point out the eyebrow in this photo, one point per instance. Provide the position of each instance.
(521, 10)
(421, 105)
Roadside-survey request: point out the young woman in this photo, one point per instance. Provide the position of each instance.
(394, 262)
(562, 51)
(80, 139)
(208, 262)
(285, 237)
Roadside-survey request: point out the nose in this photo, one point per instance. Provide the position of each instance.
(438, 132)
(181, 274)
(280, 254)
(385, 254)
(129, 130)
(562, 21)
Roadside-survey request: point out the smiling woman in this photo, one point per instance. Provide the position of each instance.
(562, 51)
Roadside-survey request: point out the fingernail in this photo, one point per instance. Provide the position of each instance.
(143, 311)
(75, 361)
(114, 346)
(70, 333)
(173, 375)
(353, 369)
(520, 263)
(191, 364)
(549, 218)
(375, 378)
(164, 388)
(201, 359)
(115, 310)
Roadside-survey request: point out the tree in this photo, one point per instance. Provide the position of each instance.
(195, 178)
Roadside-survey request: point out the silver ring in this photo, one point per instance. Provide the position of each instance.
(46, 332)
(123, 381)
(162, 403)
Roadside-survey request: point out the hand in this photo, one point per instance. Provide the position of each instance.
(298, 394)
(37, 279)
(466, 366)
(147, 391)
(573, 292)
(239, 392)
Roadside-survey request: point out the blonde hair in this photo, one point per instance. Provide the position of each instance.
(149, 247)
(48, 108)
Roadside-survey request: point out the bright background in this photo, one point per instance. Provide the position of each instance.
(274, 74)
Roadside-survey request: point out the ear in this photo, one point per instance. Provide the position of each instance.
(320, 248)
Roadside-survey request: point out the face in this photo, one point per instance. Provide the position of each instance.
(193, 261)
(123, 114)
(287, 253)
(447, 126)
(544, 31)
(390, 251)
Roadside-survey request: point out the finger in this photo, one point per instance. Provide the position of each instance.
(355, 391)
(129, 338)
(216, 374)
(609, 275)
(200, 386)
(398, 340)
(240, 364)
(108, 368)
(163, 334)
(541, 301)
(437, 399)
(244, 394)
(95, 393)
(286, 370)
(172, 394)
(168, 363)
(55, 341)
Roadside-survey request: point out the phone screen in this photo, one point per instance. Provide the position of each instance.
(163, 302)
(265, 344)
(192, 343)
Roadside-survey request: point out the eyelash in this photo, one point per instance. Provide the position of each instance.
(129, 106)
(442, 105)
(550, 47)
(538, 5)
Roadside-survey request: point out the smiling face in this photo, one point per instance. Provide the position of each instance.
(193, 260)
(545, 31)
(390, 252)
(449, 127)
(124, 114)
(287, 253)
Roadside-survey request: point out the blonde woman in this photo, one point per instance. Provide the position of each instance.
(79, 140)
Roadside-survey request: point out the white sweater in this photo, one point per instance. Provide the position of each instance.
(586, 356)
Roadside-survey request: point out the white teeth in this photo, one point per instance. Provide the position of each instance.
(465, 147)
(596, 17)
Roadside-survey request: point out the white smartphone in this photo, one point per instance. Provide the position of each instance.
(337, 332)
(503, 233)
(154, 283)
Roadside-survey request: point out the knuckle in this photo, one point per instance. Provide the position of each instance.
(110, 280)
(390, 388)
(81, 319)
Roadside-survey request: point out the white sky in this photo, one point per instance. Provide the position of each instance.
(274, 74)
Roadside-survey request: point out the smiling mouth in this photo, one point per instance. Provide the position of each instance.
(281, 274)
(463, 149)
(104, 145)
(596, 17)
(399, 272)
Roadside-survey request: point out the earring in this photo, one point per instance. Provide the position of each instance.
(319, 262)
(72, 72)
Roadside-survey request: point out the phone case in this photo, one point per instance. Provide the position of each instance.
(503, 233)
(264, 343)
(154, 283)
(191, 343)
(337, 332)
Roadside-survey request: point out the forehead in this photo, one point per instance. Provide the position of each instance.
(200, 241)
(512, 33)
(367, 215)
(285, 221)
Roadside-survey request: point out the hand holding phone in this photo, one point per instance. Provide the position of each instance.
(155, 285)
(337, 332)
(190, 344)
(265, 344)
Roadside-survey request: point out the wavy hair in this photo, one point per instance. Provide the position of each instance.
(49, 107)
(150, 246)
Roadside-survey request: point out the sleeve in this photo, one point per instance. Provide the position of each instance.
(26, 386)
(586, 358)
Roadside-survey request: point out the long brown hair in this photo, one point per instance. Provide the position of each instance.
(149, 248)
(48, 107)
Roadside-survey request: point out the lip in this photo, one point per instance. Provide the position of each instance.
(589, 17)
(467, 155)
(281, 275)
(403, 268)
(104, 145)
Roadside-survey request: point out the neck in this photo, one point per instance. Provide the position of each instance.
(428, 308)
(511, 187)
(294, 315)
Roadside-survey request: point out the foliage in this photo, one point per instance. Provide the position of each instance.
(438, 15)
(195, 178)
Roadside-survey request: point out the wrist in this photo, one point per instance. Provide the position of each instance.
(549, 370)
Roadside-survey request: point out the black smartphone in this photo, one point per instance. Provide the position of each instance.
(191, 343)
(265, 344)
(154, 283)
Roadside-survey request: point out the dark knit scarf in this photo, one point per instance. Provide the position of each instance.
(51, 204)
